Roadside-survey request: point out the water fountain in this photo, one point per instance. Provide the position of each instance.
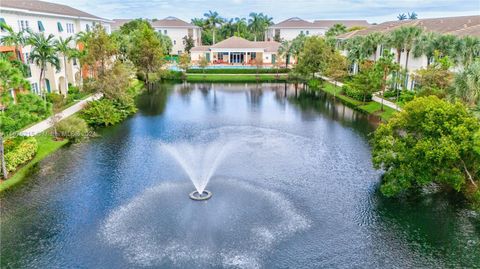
(199, 161)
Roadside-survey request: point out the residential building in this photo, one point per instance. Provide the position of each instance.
(48, 18)
(456, 26)
(238, 51)
(291, 28)
(176, 30)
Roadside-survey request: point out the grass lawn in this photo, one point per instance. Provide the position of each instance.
(46, 146)
(234, 78)
(369, 107)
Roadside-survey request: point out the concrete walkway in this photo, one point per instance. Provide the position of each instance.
(45, 124)
(375, 97)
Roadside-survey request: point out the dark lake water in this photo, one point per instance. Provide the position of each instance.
(295, 188)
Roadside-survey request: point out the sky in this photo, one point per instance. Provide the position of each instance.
(371, 10)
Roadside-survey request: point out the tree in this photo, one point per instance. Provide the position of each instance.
(114, 82)
(429, 141)
(166, 42)
(184, 62)
(412, 16)
(63, 46)
(396, 40)
(336, 29)
(425, 45)
(258, 24)
(315, 56)
(291, 49)
(100, 48)
(241, 28)
(12, 38)
(43, 53)
(436, 78)
(337, 67)
(410, 35)
(203, 63)
(371, 42)
(387, 65)
(402, 17)
(212, 20)
(367, 81)
(58, 102)
(134, 25)
(189, 43)
(356, 52)
(146, 52)
(467, 85)
(468, 48)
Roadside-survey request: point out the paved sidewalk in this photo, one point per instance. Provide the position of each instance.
(374, 97)
(45, 124)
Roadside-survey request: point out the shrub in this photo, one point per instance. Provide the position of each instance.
(355, 94)
(30, 108)
(101, 113)
(73, 128)
(237, 71)
(407, 96)
(21, 153)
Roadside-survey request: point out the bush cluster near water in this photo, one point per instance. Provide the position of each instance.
(18, 151)
(355, 93)
(237, 71)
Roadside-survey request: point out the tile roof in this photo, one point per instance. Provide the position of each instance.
(46, 7)
(347, 23)
(117, 23)
(459, 26)
(294, 22)
(172, 22)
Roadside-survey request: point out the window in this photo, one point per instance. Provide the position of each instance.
(74, 61)
(164, 32)
(40, 27)
(60, 27)
(23, 25)
(70, 28)
(26, 58)
(35, 88)
(253, 55)
(87, 27)
(307, 32)
(174, 42)
(2, 23)
(301, 32)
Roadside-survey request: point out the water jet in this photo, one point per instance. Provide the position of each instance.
(197, 196)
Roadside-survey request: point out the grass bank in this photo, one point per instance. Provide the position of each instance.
(371, 107)
(236, 78)
(227, 70)
(46, 146)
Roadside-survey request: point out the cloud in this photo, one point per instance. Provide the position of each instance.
(373, 10)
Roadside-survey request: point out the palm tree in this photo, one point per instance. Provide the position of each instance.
(356, 52)
(241, 26)
(285, 50)
(410, 36)
(228, 28)
(402, 17)
(336, 29)
(469, 49)
(445, 45)
(63, 46)
(13, 39)
(199, 22)
(212, 20)
(371, 43)
(467, 84)
(425, 45)
(43, 53)
(396, 41)
(258, 23)
(412, 16)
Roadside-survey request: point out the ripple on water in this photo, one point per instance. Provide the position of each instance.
(235, 228)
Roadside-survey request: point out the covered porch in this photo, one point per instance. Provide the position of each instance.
(236, 57)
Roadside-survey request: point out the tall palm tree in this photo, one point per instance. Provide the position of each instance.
(410, 36)
(258, 23)
(371, 43)
(402, 17)
(469, 49)
(228, 28)
(396, 40)
(425, 45)
(356, 52)
(285, 50)
(241, 26)
(467, 84)
(336, 29)
(212, 20)
(13, 38)
(43, 53)
(445, 45)
(63, 46)
(412, 16)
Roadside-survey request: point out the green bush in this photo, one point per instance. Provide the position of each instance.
(390, 94)
(172, 75)
(101, 113)
(355, 94)
(74, 94)
(21, 153)
(29, 108)
(73, 128)
(237, 71)
(407, 96)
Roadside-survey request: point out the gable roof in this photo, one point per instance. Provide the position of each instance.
(458, 26)
(347, 23)
(172, 22)
(117, 23)
(236, 42)
(47, 7)
(294, 22)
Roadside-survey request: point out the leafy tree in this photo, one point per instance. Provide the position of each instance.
(100, 48)
(203, 63)
(189, 43)
(146, 52)
(58, 102)
(467, 85)
(291, 49)
(367, 81)
(134, 25)
(337, 67)
(402, 17)
(166, 42)
(184, 62)
(101, 113)
(429, 141)
(212, 20)
(436, 78)
(63, 46)
(10, 78)
(12, 38)
(115, 82)
(43, 53)
(314, 57)
(336, 29)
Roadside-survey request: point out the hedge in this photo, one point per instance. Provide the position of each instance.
(355, 94)
(237, 70)
(21, 154)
